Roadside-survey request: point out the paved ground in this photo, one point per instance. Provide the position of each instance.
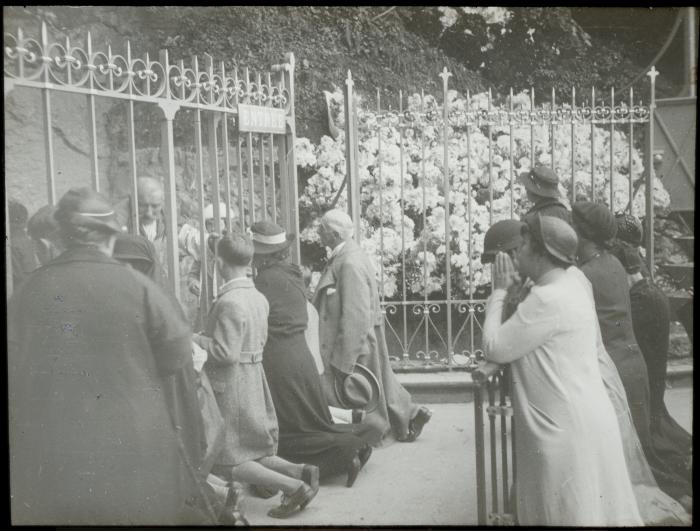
(429, 482)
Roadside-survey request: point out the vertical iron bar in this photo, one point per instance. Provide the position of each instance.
(490, 163)
(593, 144)
(448, 233)
(426, 310)
(380, 162)
(492, 441)
(249, 146)
(630, 145)
(403, 230)
(649, 232)
(227, 171)
(205, 296)
(92, 126)
(271, 140)
(244, 222)
(290, 159)
(216, 199)
(261, 149)
(573, 145)
(9, 280)
(469, 203)
(351, 158)
(504, 439)
(48, 124)
(552, 119)
(480, 454)
(131, 139)
(170, 107)
(532, 127)
(612, 136)
(284, 170)
(510, 151)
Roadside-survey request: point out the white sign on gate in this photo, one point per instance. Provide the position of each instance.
(256, 119)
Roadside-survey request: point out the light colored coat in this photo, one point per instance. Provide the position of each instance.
(351, 330)
(236, 333)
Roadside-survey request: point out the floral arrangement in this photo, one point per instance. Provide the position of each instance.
(402, 185)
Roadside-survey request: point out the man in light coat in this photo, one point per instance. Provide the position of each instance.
(352, 330)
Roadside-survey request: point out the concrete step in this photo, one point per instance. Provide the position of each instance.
(682, 274)
(687, 243)
(457, 386)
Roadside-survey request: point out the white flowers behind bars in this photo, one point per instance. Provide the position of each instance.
(474, 162)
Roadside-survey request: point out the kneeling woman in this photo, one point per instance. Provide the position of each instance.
(307, 432)
(236, 332)
(571, 465)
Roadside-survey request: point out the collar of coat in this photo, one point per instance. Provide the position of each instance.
(550, 201)
(328, 276)
(84, 253)
(236, 283)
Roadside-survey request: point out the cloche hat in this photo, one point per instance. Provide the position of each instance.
(504, 235)
(558, 236)
(269, 237)
(541, 180)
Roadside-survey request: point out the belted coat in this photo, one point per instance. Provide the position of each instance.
(351, 330)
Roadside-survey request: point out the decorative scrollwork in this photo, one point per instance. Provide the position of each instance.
(44, 59)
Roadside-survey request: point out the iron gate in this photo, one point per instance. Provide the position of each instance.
(242, 125)
(405, 166)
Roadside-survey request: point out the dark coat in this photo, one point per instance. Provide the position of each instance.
(550, 207)
(92, 439)
(352, 330)
(307, 432)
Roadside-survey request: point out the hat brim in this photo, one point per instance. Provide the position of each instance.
(269, 248)
(529, 183)
(109, 225)
(374, 384)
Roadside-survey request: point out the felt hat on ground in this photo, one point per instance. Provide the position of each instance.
(504, 235)
(358, 390)
(558, 236)
(541, 180)
(594, 221)
(269, 237)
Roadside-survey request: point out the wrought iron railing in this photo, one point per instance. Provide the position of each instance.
(492, 395)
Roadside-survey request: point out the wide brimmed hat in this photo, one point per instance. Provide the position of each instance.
(558, 237)
(269, 237)
(541, 180)
(86, 209)
(594, 221)
(504, 235)
(358, 390)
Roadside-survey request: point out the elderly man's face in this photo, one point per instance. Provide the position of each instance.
(150, 205)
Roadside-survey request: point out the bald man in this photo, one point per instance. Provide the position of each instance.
(352, 331)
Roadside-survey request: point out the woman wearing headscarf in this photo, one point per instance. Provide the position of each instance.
(596, 228)
(307, 431)
(90, 346)
(571, 464)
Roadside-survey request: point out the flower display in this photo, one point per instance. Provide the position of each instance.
(406, 193)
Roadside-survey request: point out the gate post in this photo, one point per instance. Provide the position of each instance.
(169, 108)
(352, 176)
(649, 200)
(288, 167)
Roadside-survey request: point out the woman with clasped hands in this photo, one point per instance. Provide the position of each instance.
(571, 466)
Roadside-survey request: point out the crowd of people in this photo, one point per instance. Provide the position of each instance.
(124, 409)
(120, 414)
(585, 333)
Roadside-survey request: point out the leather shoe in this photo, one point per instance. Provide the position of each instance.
(290, 504)
(415, 427)
(353, 471)
(231, 514)
(310, 475)
(364, 455)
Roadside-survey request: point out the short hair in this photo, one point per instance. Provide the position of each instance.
(235, 249)
(537, 243)
(339, 222)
